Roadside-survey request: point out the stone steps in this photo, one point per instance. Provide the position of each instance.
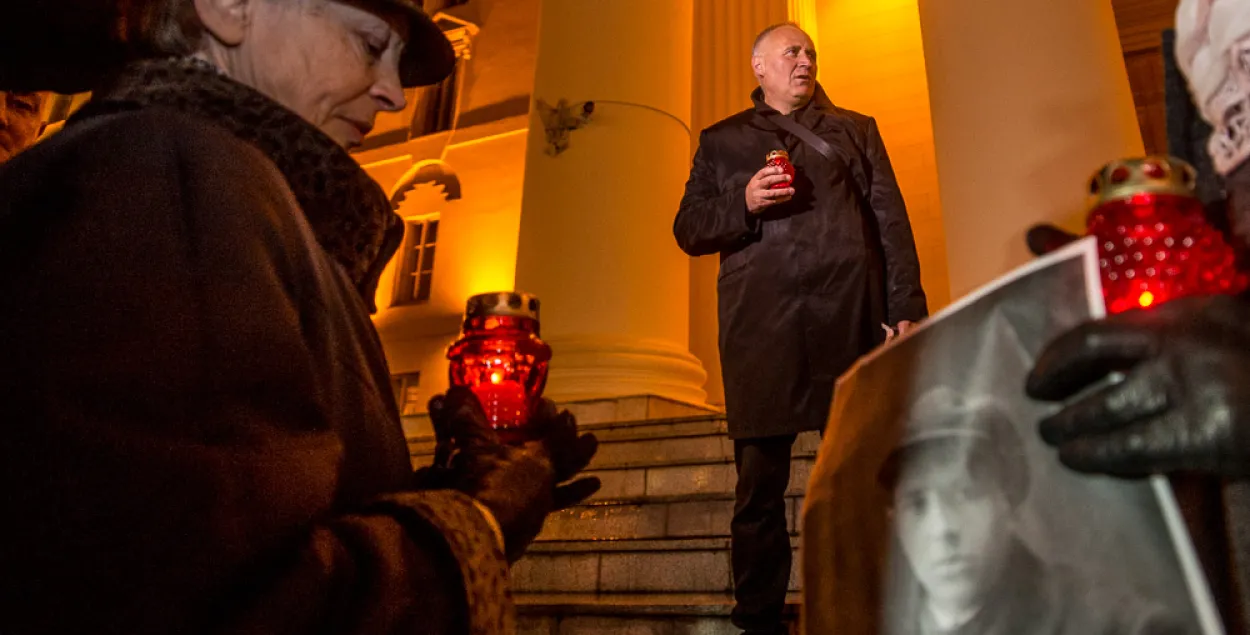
(712, 477)
(649, 553)
(675, 428)
(682, 565)
(632, 614)
(654, 518)
(606, 412)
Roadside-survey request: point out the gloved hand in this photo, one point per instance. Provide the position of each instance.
(1183, 405)
(1045, 238)
(518, 484)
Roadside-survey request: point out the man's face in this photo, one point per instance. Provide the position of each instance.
(20, 119)
(955, 531)
(785, 64)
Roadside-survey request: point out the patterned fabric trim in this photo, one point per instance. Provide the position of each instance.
(472, 542)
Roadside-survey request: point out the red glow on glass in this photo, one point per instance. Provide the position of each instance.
(786, 168)
(1156, 247)
(502, 360)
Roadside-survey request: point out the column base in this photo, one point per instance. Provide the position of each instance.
(605, 366)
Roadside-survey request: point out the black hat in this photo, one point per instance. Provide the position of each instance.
(942, 416)
(427, 57)
(59, 45)
(68, 45)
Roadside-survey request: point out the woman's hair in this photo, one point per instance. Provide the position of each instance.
(165, 28)
(162, 28)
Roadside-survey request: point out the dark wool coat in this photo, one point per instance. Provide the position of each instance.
(803, 288)
(198, 429)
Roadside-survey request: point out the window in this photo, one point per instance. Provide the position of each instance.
(434, 106)
(412, 285)
(406, 387)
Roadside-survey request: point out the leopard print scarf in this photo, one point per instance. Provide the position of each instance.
(347, 210)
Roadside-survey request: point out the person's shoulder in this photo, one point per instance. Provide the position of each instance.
(858, 119)
(154, 163)
(152, 133)
(163, 150)
(730, 124)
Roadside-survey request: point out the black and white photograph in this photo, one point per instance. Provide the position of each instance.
(934, 499)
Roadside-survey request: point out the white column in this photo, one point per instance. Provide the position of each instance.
(1028, 99)
(596, 241)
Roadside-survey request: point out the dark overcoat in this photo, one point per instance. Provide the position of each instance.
(198, 430)
(804, 287)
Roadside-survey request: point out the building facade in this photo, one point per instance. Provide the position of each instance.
(508, 181)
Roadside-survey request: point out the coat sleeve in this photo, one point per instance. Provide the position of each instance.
(167, 465)
(904, 296)
(710, 220)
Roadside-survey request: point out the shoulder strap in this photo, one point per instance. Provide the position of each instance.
(799, 130)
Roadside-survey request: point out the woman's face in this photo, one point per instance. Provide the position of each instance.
(333, 63)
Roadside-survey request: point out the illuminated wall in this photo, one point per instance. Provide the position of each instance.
(872, 61)
(1028, 99)
(484, 152)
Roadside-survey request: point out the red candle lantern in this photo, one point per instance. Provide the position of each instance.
(1154, 244)
(781, 159)
(500, 357)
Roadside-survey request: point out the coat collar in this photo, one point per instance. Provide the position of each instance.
(815, 114)
(347, 210)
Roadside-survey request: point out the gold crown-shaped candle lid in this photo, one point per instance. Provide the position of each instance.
(1124, 178)
(777, 153)
(509, 303)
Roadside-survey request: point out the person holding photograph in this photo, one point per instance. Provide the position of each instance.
(1183, 407)
(955, 484)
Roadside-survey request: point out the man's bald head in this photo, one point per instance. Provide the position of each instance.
(784, 62)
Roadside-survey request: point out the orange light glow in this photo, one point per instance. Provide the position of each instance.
(1146, 299)
(496, 377)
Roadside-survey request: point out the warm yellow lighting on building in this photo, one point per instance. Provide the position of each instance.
(872, 61)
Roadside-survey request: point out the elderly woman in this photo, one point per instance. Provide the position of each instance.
(200, 431)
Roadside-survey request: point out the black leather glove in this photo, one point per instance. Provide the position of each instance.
(1045, 238)
(1184, 402)
(517, 483)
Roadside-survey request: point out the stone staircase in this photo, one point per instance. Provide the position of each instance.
(649, 554)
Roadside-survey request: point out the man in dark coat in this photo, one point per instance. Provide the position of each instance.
(810, 276)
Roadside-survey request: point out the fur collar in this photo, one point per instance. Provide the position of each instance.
(348, 211)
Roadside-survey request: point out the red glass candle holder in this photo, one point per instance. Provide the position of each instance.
(781, 159)
(1154, 244)
(500, 357)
